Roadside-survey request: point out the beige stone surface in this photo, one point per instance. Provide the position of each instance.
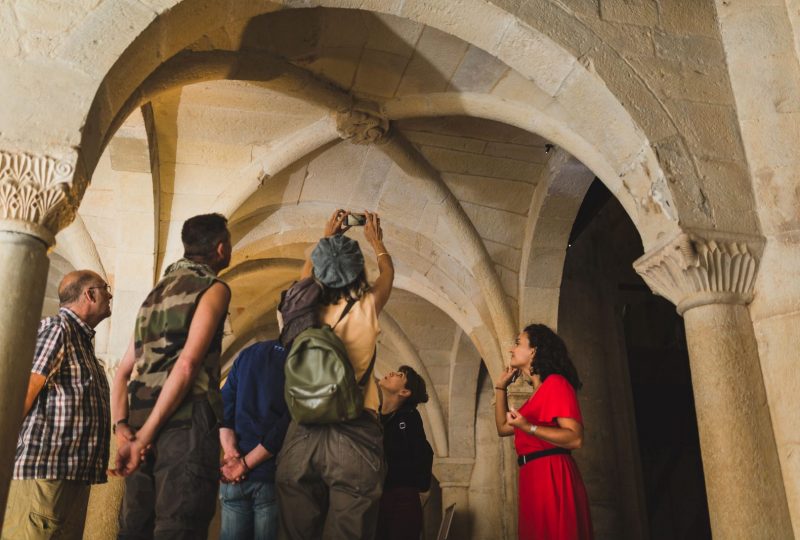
(686, 110)
(18, 334)
(740, 462)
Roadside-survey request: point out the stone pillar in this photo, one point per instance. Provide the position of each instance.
(33, 206)
(709, 276)
(454, 475)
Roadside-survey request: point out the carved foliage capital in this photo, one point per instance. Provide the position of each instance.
(362, 125)
(35, 189)
(703, 267)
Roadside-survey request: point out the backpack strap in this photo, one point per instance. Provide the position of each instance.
(350, 303)
(365, 376)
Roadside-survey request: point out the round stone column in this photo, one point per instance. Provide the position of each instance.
(740, 460)
(23, 273)
(33, 204)
(710, 276)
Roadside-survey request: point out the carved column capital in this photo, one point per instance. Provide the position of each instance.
(36, 195)
(362, 124)
(703, 267)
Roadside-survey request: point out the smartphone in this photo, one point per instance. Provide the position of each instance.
(515, 376)
(355, 220)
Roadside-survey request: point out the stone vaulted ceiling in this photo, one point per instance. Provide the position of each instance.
(262, 146)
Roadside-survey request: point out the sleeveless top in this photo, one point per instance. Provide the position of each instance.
(161, 330)
(359, 332)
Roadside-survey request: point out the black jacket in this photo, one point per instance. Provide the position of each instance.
(408, 455)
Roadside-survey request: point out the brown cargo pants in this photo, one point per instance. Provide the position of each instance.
(173, 494)
(330, 479)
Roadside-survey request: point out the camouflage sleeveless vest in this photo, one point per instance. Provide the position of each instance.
(162, 326)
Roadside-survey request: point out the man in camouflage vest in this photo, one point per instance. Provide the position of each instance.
(167, 434)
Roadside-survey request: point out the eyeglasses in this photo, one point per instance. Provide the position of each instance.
(107, 288)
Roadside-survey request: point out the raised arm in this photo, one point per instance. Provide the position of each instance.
(382, 288)
(504, 429)
(211, 309)
(335, 225)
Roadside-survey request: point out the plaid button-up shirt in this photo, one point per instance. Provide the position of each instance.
(66, 434)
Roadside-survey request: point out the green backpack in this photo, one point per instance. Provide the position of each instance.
(320, 383)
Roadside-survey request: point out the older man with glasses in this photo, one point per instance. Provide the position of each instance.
(64, 441)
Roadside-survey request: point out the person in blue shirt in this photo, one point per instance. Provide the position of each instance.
(252, 432)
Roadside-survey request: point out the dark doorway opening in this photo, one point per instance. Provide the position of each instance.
(648, 362)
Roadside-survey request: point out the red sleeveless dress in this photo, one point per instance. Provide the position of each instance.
(553, 504)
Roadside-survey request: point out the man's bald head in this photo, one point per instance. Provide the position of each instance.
(74, 283)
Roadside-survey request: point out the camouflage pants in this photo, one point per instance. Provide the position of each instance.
(173, 494)
(330, 479)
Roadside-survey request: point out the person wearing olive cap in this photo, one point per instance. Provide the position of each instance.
(330, 476)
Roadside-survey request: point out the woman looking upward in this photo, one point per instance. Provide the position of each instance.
(553, 504)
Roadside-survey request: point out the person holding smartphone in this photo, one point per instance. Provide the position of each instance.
(330, 476)
(552, 497)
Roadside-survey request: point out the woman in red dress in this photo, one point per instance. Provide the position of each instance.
(552, 498)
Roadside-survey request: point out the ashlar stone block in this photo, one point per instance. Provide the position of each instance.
(633, 12)
(497, 193)
(379, 73)
(514, 87)
(436, 58)
(530, 52)
(103, 34)
(693, 51)
(481, 165)
(502, 254)
(337, 65)
(392, 34)
(777, 289)
(129, 154)
(530, 153)
(673, 79)
(464, 144)
(710, 130)
(778, 196)
(496, 225)
(545, 267)
(727, 186)
(690, 17)
(342, 28)
(478, 72)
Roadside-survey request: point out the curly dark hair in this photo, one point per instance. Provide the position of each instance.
(551, 355)
(354, 290)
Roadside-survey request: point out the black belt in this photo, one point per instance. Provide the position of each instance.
(527, 458)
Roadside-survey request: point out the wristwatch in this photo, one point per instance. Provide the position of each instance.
(534, 427)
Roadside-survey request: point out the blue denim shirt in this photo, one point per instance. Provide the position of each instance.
(255, 408)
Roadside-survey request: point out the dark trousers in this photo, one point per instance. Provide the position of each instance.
(400, 515)
(330, 479)
(173, 493)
